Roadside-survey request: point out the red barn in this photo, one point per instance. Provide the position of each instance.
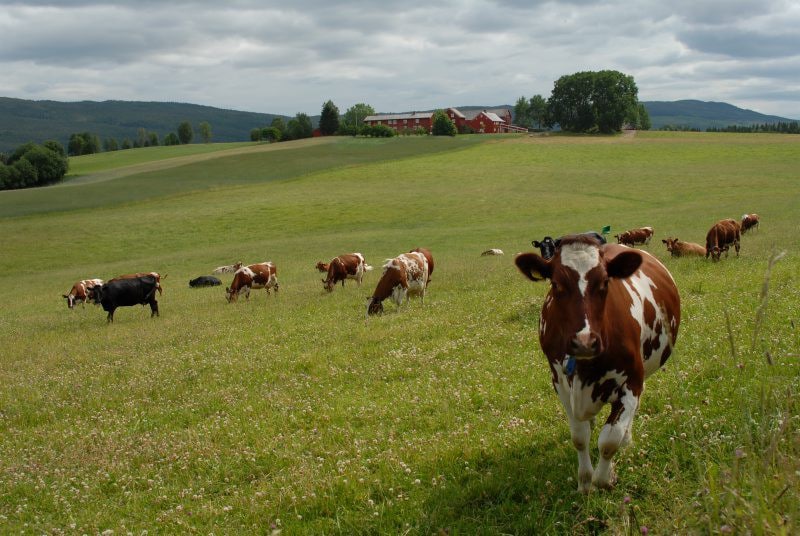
(401, 122)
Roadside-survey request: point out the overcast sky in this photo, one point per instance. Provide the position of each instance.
(397, 55)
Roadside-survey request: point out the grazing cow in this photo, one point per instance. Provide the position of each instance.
(548, 246)
(322, 267)
(205, 281)
(635, 237)
(679, 248)
(610, 320)
(255, 276)
(428, 257)
(348, 266)
(750, 221)
(127, 292)
(405, 275)
(721, 236)
(155, 275)
(81, 291)
(230, 268)
(490, 252)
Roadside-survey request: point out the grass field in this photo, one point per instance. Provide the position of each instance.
(292, 413)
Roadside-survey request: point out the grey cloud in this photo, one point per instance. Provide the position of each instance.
(742, 43)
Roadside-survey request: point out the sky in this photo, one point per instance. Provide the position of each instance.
(286, 57)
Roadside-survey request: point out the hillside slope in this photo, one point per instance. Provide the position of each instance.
(22, 121)
(702, 115)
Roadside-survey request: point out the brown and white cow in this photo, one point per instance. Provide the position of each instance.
(635, 237)
(254, 276)
(81, 291)
(679, 248)
(750, 221)
(155, 275)
(347, 266)
(405, 275)
(429, 258)
(610, 320)
(228, 268)
(721, 236)
(322, 267)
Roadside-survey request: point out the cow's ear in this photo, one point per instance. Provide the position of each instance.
(536, 244)
(664, 241)
(624, 264)
(533, 266)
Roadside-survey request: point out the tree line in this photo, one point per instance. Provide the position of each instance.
(781, 127)
(81, 143)
(32, 165)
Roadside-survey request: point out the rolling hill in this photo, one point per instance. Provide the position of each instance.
(22, 120)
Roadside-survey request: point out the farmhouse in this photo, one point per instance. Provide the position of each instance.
(479, 121)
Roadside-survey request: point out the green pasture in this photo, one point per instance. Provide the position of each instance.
(293, 413)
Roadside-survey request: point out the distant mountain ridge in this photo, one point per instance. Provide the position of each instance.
(23, 120)
(702, 115)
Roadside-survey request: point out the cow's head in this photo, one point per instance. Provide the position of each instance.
(374, 306)
(716, 252)
(579, 276)
(327, 284)
(671, 243)
(547, 246)
(322, 267)
(95, 294)
(70, 300)
(231, 295)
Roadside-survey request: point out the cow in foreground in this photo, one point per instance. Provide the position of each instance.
(127, 292)
(635, 237)
(548, 246)
(679, 248)
(255, 276)
(348, 266)
(721, 236)
(205, 281)
(81, 292)
(405, 275)
(750, 221)
(610, 320)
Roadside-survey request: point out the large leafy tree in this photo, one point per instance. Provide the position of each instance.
(538, 111)
(299, 127)
(353, 118)
(593, 101)
(442, 125)
(329, 119)
(83, 143)
(522, 112)
(185, 132)
(205, 131)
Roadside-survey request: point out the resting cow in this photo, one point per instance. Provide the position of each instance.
(750, 221)
(229, 268)
(635, 237)
(405, 275)
(205, 281)
(610, 320)
(548, 246)
(492, 252)
(679, 248)
(721, 236)
(348, 266)
(255, 276)
(81, 292)
(127, 292)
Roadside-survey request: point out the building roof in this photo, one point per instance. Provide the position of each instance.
(411, 115)
(498, 112)
(456, 112)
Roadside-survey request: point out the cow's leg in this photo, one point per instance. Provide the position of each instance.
(581, 433)
(616, 433)
(153, 308)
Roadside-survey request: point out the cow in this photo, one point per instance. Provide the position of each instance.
(679, 248)
(229, 268)
(255, 276)
(635, 237)
(406, 275)
(322, 267)
(347, 266)
(155, 275)
(428, 257)
(491, 252)
(609, 320)
(205, 281)
(127, 292)
(81, 292)
(721, 236)
(548, 246)
(750, 221)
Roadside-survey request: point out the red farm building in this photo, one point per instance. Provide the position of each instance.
(489, 121)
